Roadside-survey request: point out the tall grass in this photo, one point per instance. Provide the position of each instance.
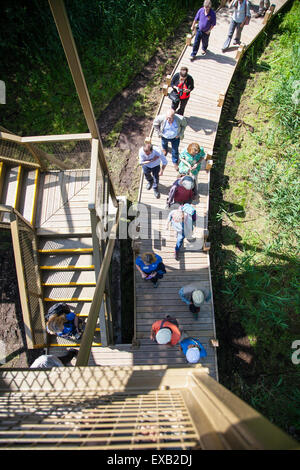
(254, 226)
(114, 40)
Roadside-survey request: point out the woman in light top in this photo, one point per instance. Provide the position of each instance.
(191, 159)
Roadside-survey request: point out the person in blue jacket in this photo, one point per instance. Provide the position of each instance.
(192, 349)
(62, 322)
(151, 267)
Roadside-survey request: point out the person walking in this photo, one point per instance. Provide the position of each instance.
(190, 160)
(264, 5)
(183, 84)
(192, 349)
(62, 322)
(206, 18)
(182, 191)
(150, 158)
(166, 331)
(170, 128)
(241, 15)
(183, 221)
(151, 267)
(194, 296)
(47, 361)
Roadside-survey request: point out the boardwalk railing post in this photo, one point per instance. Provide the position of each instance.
(268, 15)
(240, 52)
(188, 39)
(168, 79)
(221, 99)
(165, 89)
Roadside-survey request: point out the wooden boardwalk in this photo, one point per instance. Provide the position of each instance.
(212, 75)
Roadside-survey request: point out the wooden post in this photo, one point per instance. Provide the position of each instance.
(240, 52)
(214, 342)
(208, 157)
(165, 89)
(221, 99)
(147, 140)
(206, 246)
(209, 164)
(168, 79)
(188, 39)
(267, 16)
(136, 246)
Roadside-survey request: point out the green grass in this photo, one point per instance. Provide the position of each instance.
(254, 225)
(114, 41)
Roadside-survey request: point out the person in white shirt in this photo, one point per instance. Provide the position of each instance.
(240, 16)
(150, 158)
(170, 128)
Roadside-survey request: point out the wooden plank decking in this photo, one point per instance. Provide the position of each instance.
(212, 75)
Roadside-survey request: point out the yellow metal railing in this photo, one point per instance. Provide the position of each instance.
(30, 289)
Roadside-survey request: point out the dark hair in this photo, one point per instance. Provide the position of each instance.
(58, 309)
(194, 309)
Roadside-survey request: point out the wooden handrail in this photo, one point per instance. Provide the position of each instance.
(87, 338)
(65, 33)
(55, 138)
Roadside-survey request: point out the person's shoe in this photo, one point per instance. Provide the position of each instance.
(156, 194)
(192, 58)
(175, 166)
(149, 186)
(195, 316)
(236, 43)
(165, 152)
(224, 49)
(203, 53)
(176, 255)
(156, 284)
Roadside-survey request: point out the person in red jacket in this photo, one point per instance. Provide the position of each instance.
(183, 84)
(182, 191)
(166, 331)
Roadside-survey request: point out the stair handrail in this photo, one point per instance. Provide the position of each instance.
(25, 291)
(87, 338)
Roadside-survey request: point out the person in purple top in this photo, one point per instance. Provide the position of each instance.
(206, 18)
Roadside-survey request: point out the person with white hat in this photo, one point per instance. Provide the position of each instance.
(182, 191)
(194, 295)
(192, 349)
(166, 331)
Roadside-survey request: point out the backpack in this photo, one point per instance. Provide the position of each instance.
(170, 320)
(57, 309)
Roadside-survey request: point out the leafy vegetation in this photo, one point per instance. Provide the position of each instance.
(114, 41)
(254, 224)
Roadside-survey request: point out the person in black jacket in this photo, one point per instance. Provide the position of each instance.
(183, 84)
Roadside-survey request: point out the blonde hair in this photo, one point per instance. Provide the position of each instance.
(56, 324)
(193, 146)
(207, 3)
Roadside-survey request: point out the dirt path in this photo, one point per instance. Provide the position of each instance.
(128, 118)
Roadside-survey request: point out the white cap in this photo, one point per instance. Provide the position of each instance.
(198, 297)
(163, 336)
(187, 182)
(193, 355)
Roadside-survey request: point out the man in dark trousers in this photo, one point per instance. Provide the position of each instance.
(206, 19)
(183, 83)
